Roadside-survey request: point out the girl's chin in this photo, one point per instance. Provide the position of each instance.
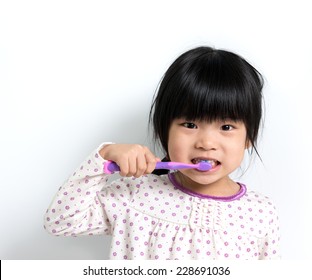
(197, 179)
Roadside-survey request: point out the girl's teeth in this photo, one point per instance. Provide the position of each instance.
(212, 162)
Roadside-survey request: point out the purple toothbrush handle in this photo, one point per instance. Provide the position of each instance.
(111, 167)
(173, 165)
(202, 166)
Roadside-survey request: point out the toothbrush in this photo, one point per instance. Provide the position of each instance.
(110, 166)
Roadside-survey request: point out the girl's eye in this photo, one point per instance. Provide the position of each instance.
(189, 125)
(226, 127)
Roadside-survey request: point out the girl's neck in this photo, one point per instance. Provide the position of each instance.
(222, 188)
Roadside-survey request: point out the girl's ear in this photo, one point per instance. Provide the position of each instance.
(248, 144)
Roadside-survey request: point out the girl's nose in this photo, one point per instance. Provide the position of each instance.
(206, 142)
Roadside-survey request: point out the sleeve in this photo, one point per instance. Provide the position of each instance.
(76, 208)
(269, 247)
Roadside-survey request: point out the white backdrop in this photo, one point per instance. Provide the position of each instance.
(76, 73)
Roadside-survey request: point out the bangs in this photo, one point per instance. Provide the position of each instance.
(211, 101)
(213, 91)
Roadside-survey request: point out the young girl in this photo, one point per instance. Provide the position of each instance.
(208, 108)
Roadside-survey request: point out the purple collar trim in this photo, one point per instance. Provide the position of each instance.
(238, 195)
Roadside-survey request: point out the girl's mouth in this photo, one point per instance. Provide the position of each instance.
(213, 162)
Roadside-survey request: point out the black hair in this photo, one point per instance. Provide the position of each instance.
(208, 84)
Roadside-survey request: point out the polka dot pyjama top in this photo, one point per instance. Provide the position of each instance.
(153, 217)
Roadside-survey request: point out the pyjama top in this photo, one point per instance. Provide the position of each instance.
(154, 217)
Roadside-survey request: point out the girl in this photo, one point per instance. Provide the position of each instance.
(208, 108)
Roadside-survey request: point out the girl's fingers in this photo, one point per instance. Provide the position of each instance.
(133, 160)
(140, 165)
(151, 161)
(144, 163)
(124, 167)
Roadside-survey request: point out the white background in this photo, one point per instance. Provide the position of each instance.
(76, 73)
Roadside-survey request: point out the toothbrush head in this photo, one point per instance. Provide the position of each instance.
(204, 166)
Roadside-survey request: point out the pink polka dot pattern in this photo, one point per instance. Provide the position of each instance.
(151, 218)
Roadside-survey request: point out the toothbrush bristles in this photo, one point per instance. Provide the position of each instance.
(204, 166)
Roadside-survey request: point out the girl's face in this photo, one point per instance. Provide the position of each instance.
(222, 143)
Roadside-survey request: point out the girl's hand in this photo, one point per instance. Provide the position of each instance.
(133, 159)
